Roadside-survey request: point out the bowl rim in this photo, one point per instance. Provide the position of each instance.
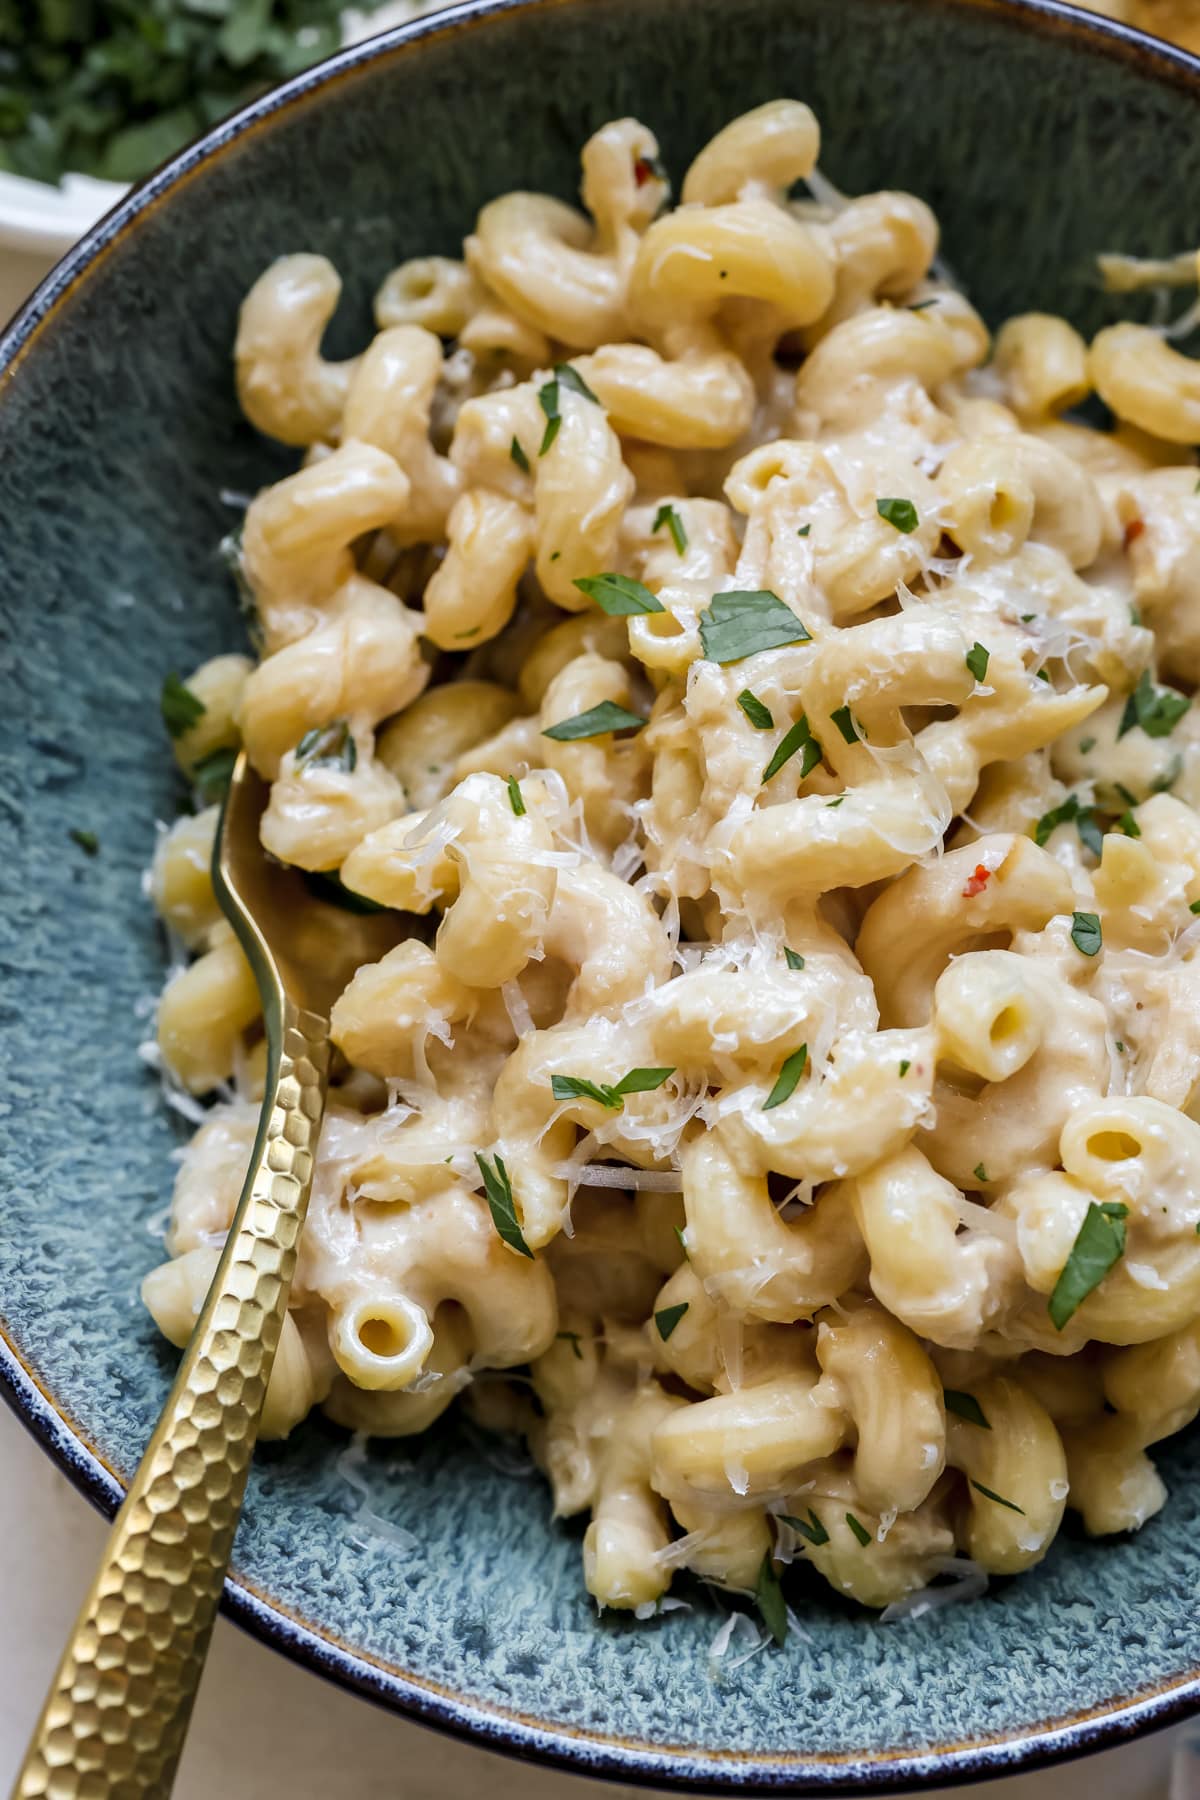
(483, 1724)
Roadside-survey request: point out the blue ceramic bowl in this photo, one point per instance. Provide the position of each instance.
(1040, 136)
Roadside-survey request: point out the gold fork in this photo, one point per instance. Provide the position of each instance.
(119, 1705)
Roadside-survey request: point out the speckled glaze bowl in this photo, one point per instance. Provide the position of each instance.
(428, 1575)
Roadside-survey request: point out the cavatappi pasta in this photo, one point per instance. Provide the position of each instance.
(772, 705)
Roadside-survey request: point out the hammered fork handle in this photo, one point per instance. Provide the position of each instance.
(118, 1708)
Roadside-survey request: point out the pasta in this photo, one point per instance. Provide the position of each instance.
(766, 710)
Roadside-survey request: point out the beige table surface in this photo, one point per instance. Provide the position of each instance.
(264, 1728)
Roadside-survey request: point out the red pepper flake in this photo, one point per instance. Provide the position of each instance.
(1133, 531)
(977, 882)
(643, 170)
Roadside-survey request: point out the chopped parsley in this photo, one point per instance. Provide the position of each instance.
(1156, 710)
(979, 1172)
(803, 530)
(739, 624)
(768, 1597)
(836, 802)
(793, 958)
(812, 1529)
(666, 515)
(572, 1338)
(859, 1529)
(519, 456)
(845, 724)
(668, 1318)
(638, 1081)
(548, 401)
(990, 1494)
(514, 797)
(213, 773)
(796, 736)
(977, 659)
(1085, 932)
(88, 842)
(905, 1066)
(1194, 906)
(789, 1075)
(1162, 784)
(1099, 1244)
(498, 1190)
(328, 747)
(966, 1406)
(618, 595)
(570, 377)
(1129, 825)
(181, 709)
(596, 722)
(1086, 744)
(920, 305)
(900, 513)
(758, 714)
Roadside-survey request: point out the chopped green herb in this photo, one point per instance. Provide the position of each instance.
(571, 378)
(813, 1529)
(789, 1075)
(1129, 798)
(741, 624)
(574, 1087)
(791, 741)
(572, 1338)
(966, 1406)
(548, 401)
(1026, 618)
(758, 714)
(1120, 1046)
(213, 773)
(642, 1081)
(498, 1190)
(1086, 744)
(1135, 615)
(1156, 710)
(1099, 1244)
(977, 659)
(920, 305)
(803, 530)
(988, 1494)
(979, 1172)
(1050, 821)
(328, 747)
(845, 724)
(793, 958)
(836, 802)
(519, 456)
(514, 797)
(554, 556)
(181, 709)
(1043, 674)
(618, 595)
(596, 722)
(859, 1529)
(1129, 825)
(1085, 932)
(88, 842)
(638, 1081)
(1088, 827)
(768, 1597)
(900, 513)
(666, 515)
(905, 1066)
(1194, 906)
(668, 1318)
